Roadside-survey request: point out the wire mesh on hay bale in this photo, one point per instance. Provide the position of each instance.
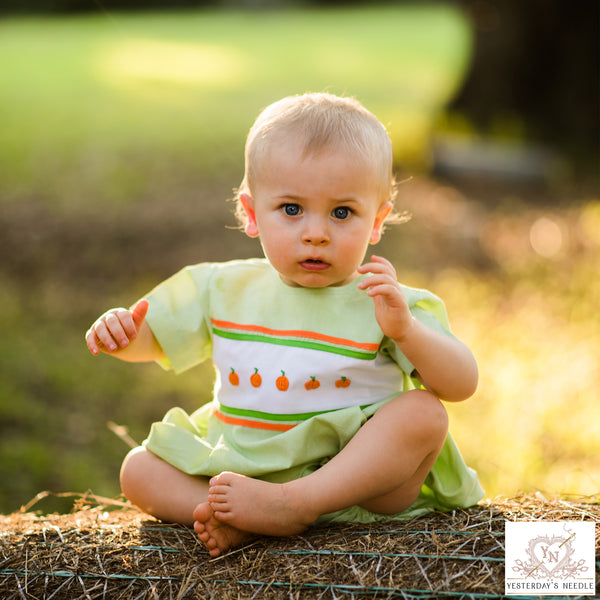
(95, 553)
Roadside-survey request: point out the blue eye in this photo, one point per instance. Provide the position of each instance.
(291, 210)
(341, 212)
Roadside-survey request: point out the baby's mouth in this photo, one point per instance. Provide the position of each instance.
(314, 264)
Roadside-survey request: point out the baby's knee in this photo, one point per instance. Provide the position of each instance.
(433, 410)
(426, 412)
(432, 415)
(132, 470)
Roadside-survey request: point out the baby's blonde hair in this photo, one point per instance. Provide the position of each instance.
(322, 121)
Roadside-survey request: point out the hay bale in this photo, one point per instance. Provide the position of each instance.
(99, 552)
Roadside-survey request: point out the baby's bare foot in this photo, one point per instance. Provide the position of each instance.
(258, 506)
(217, 536)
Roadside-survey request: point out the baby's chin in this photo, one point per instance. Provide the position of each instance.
(320, 279)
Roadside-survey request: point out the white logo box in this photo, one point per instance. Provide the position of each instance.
(550, 558)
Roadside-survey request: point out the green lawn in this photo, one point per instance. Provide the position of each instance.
(113, 105)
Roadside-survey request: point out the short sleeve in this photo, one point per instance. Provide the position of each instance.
(178, 315)
(428, 309)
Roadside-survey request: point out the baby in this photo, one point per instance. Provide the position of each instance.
(329, 372)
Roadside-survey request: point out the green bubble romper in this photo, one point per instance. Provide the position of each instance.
(299, 371)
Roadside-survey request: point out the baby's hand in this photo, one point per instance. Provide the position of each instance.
(116, 328)
(391, 309)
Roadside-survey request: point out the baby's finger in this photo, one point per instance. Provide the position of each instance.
(126, 325)
(378, 265)
(121, 326)
(377, 279)
(389, 291)
(92, 341)
(104, 335)
(382, 261)
(139, 312)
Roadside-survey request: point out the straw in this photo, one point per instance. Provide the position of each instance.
(107, 549)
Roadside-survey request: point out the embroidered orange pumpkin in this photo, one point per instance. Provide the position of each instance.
(255, 378)
(312, 383)
(234, 378)
(282, 382)
(342, 382)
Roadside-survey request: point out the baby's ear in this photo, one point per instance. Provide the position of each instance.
(251, 227)
(380, 217)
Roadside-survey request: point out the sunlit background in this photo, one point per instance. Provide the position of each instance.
(121, 140)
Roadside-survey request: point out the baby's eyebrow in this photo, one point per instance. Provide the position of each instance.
(346, 200)
(337, 201)
(291, 197)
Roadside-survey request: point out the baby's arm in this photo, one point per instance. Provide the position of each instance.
(444, 364)
(124, 334)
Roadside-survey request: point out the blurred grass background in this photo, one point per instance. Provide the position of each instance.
(121, 137)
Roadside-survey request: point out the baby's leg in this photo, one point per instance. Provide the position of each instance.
(169, 494)
(382, 468)
(159, 488)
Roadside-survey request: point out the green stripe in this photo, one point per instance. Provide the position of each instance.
(250, 337)
(256, 414)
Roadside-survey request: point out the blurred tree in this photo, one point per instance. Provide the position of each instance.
(537, 61)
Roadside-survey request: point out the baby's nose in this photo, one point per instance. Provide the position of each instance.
(316, 237)
(315, 230)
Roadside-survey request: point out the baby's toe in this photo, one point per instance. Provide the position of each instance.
(202, 513)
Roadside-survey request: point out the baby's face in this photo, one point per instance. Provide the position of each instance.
(315, 215)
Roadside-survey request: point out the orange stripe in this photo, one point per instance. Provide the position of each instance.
(254, 424)
(296, 333)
